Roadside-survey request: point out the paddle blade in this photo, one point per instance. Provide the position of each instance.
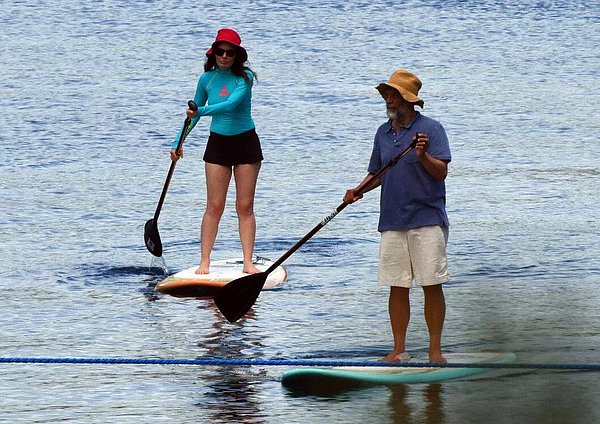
(152, 238)
(236, 298)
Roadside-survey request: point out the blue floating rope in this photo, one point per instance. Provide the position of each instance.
(301, 363)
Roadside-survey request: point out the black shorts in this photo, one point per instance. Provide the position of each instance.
(230, 150)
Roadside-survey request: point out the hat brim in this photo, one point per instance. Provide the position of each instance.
(406, 95)
(240, 50)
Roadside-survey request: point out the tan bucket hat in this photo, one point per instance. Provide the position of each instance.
(407, 84)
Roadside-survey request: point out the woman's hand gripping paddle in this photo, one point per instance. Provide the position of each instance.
(151, 236)
(236, 298)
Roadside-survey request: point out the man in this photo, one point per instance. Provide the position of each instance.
(412, 221)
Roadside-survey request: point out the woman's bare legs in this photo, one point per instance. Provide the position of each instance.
(217, 183)
(245, 176)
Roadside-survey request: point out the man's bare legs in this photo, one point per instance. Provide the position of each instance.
(399, 309)
(435, 313)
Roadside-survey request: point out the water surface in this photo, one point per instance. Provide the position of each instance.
(91, 95)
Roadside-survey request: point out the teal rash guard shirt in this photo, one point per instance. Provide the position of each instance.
(227, 98)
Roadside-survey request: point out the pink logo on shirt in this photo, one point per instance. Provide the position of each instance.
(224, 92)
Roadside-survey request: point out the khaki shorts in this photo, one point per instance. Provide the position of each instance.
(418, 254)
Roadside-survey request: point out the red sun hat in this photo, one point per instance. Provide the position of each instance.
(228, 35)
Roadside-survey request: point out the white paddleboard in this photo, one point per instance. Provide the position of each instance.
(187, 283)
(315, 379)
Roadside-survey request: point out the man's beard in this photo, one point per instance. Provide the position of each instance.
(393, 113)
(396, 113)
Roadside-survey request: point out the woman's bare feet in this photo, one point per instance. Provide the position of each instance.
(250, 269)
(204, 267)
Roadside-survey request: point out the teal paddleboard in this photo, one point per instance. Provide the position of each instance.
(310, 378)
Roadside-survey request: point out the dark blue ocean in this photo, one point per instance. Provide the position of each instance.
(91, 97)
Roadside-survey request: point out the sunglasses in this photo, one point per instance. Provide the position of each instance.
(227, 52)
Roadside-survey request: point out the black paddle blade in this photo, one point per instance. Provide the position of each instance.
(152, 238)
(236, 298)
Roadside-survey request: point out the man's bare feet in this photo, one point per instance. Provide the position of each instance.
(394, 356)
(437, 358)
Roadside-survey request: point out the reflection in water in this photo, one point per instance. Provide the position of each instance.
(404, 404)
(400, 408)
(230, 393)
(434, 411)
(407, 403)
(230, 397)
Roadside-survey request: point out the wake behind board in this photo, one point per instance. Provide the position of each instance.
(332, 378)
(187, 283)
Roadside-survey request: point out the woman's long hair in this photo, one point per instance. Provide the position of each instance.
(238, 68)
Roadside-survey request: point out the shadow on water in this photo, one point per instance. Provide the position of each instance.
(92, 276)
(99, 273)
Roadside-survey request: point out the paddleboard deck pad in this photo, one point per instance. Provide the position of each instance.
(187, 283)
(331, 378)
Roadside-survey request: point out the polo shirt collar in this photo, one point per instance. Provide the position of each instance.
(389, 122)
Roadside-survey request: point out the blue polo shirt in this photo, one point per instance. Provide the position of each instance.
(410, 196)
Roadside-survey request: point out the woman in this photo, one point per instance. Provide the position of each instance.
(224, 92)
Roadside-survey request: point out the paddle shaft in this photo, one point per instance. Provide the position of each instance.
(237, 297)
(361, 189)
(186, 125)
